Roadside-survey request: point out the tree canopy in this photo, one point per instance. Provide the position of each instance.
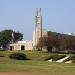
(6, 37)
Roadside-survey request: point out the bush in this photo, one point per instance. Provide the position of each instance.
(18, 56)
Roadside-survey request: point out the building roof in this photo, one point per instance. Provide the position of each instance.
(21, 41)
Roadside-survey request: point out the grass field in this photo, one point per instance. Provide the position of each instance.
(35, 66)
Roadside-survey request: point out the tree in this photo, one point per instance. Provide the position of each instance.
(58, 41)
(48, 42)
(6, 38)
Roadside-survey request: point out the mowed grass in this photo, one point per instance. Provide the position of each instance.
(36, 64)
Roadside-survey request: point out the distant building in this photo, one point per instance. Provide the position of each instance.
(22, 45)
(37, 33)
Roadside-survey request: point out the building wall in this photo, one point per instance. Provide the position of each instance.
(34, 38)
(29, 45)
(44, 33)
(17, 47)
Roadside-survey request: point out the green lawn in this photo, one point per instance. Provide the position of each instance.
(36, 64)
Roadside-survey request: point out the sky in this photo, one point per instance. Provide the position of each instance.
(19, 15)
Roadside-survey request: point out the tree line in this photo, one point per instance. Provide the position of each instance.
(6, 38)
(57, 41)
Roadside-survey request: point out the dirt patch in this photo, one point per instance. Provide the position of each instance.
(21, 73)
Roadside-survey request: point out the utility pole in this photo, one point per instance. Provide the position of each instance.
(12, 37)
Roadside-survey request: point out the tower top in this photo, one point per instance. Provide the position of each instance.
(38, 11)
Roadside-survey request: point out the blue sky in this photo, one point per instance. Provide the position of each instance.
(19, 15)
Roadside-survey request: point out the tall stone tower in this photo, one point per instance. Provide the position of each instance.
(38, 27)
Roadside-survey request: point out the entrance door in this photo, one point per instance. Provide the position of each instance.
(22, 47)
(11, 48)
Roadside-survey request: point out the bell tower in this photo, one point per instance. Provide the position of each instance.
(38, 18)
(38, 25)
(37, 34)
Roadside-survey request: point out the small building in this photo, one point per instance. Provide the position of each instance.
(21, 45)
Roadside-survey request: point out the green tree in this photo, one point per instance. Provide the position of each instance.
(6, 38)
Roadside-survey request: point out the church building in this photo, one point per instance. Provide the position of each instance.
(37, 33)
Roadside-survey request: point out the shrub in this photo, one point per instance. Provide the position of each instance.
(18, 56)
